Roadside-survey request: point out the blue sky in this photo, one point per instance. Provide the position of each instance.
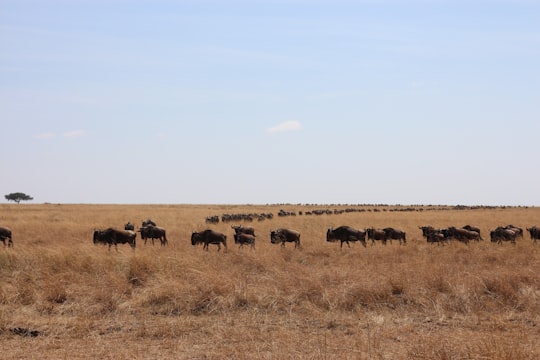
(397, 102)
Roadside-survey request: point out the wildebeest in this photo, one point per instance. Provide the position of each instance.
(244, 239)
(473, 228)
(209, 237)
(426, 230)
(111, 236)
(501, 234)
(433, 235)
(213, 219)
(463, 235)
(395, 234)
(5, 234)
(376, 234)
(436, 237)
(129, 226)
(283, 235)
(346, 234)
(239, 229)
(153, 232)
(535, 233)
(516, 229)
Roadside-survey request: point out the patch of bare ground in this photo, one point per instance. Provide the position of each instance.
(63, 297)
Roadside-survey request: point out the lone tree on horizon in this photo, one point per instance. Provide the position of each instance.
(18, 197)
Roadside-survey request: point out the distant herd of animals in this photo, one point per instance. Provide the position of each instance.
(249, 217)
(245, 235)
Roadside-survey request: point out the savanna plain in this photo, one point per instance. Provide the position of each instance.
(62, 297)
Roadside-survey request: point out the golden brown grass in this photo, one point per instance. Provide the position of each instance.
(417, 301)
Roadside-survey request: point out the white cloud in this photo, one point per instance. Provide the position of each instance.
(68, 134)
(285, 127)
(45, 135)
(74, 134)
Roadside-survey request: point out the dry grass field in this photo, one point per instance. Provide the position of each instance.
(418, 301)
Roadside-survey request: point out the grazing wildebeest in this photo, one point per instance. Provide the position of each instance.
(244, 239)
(535, 233)
(346, 234)
(283, 235)
(394, 234)
(239, 229)
(5, 234)
(111, 236)
(153, 232)
(376, 235)
(129, 226)
(209, 237)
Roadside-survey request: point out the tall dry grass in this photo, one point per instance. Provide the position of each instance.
(388, 302)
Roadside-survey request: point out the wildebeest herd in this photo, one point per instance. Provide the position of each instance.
(467, 233)
(245, 235)
(112, 236)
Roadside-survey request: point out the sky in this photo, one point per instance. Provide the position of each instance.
(271, 101)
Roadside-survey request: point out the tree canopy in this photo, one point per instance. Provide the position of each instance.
(18, 197)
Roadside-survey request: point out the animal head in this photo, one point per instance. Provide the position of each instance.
(195, 238)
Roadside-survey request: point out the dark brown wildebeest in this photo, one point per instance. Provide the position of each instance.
(5, 234)
(473, 228)
(129, 226)
(535, 233)
(395, 234)
(433, 235)
(239, 229)
(346, 234)
(463, 235)
(501, 234)
(426, 230)
(504, 233)
(283, 235)
(213, 219)
(114, 237)
(517, 230)
(436, 236)
(244, 239)
(376, 235)
(209, 237)
(153, 232)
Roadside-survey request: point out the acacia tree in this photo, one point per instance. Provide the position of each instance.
(18, 197)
